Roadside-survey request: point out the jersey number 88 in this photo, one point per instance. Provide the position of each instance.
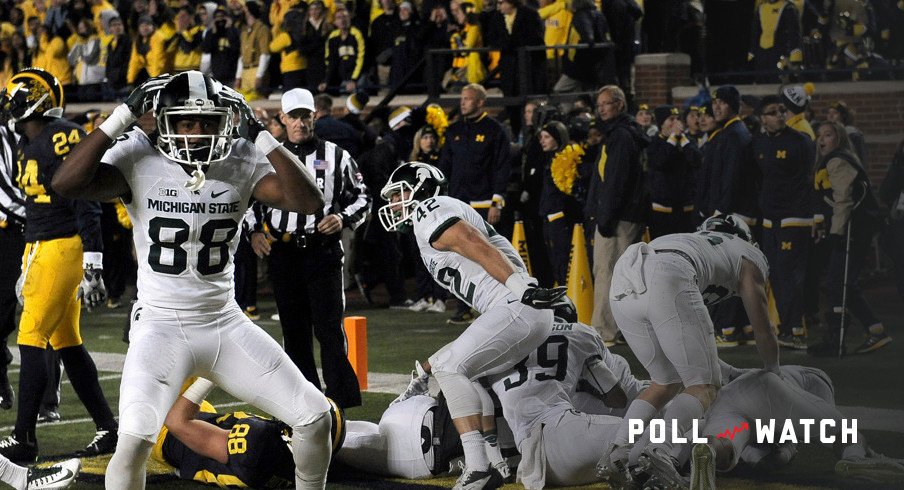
(215, 237)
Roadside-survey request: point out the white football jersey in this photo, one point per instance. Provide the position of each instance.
(464, 278)
(717, 260)
(185, 240)
(541, 385)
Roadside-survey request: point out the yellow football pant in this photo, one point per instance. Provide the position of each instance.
(53, 271)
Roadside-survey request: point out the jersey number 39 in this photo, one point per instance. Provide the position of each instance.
(169, 234)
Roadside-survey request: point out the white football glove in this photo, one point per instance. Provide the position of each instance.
(92, 291)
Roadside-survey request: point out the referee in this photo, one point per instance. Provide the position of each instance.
(306, 253)
(12, 245)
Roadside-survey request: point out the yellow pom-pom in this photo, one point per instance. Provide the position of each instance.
(437, 118)
(809, 88)
(564, 167)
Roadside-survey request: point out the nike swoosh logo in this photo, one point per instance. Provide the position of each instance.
(63, 477)
(512, 301)
(218, 194)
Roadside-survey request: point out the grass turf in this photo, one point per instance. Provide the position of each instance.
(396, 338)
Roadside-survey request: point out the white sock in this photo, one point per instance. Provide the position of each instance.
(128, 466)
(13, 474)
(681, 413)
(639, 409)
(494, 454)
(475, 450)
(312, 450)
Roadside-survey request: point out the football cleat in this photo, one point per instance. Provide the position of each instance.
(796, 342)
(17, 451)
(875, 467)
(504, 471)
(487, 479)
(703, 468)
(48, 415)
(613, 467)
(873, 342)
(55, 477)
(104, 442)
(420, 305)
(438, 306)
(662, 469)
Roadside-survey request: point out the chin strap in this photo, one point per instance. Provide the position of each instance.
(196, 182)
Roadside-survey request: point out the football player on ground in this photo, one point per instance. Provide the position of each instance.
(232, 449)
(470, 259)
(800, 393)
(415, 439)
(186, 321)
(659, 296)
(61, 266)
(55, 477)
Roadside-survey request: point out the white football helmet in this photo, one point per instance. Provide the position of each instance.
(732, 224)
(186, 95)
(412, 182)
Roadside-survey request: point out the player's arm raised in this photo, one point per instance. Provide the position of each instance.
(465, 240)
(81, 175)
(292, 187)
(752, 289)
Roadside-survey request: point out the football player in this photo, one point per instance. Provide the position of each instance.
(659, 296)
(186, 188)
(558, 444)
(470, 259)
(232, 449)
(61, 265)
(800, 393)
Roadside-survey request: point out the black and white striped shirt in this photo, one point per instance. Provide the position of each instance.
(344, 193)
(12, 200)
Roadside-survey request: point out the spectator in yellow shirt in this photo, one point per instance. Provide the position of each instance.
(188, 41)
(251, 75)
(287, 42)
(138, 62)
(51, 55)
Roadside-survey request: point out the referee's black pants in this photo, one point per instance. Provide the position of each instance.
(307, 285)
(12, 245)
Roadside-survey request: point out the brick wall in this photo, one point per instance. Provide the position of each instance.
(879, 109)
(656, 74)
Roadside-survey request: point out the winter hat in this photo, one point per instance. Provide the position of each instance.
(558, 131)
(730, 95)
(796, 97)
(356, 102)
(663, 112)
(399, 115)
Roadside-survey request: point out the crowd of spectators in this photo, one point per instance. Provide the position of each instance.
(99, 49)
(626, 176)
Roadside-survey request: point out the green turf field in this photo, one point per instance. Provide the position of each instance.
(867, 387)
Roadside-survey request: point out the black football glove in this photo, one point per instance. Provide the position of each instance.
(141, 100)
(544, 298)
(249, 125)
(92, 291)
